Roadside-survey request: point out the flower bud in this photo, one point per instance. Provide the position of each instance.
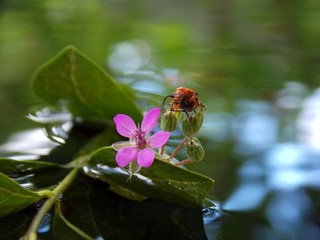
(169, 121)
(192, 124)
(195, 150)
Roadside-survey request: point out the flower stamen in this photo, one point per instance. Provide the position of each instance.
(140, 138)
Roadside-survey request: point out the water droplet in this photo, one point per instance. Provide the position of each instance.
(45, 224)
(57, 122)
(211, 211)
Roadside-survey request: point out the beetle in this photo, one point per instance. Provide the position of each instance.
(184, 100)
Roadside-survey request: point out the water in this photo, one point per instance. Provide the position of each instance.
(45, 224)
(211, 211)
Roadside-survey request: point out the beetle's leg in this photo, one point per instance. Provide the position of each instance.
(164, 99)
(202, 106)
(185, 111)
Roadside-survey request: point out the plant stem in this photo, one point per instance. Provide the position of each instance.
(177, 150)
(183, 162)
(162, 149)
(31, 234)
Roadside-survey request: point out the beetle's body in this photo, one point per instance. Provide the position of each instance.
(184, 100)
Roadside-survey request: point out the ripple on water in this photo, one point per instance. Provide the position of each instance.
(211, 211)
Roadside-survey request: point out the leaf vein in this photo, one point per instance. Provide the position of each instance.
(73, 70)
(14, 194)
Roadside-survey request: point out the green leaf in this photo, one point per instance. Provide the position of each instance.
(163, 181)
(103, 214)
(63, 229)
(8, 165)
(87, 90)
(14, 197)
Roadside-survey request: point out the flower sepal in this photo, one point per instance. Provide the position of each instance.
(195, 150)
(117, 145)
(134, 168)
(192, 124)
(163, 157)
(169, 121)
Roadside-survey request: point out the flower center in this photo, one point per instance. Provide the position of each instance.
(139, 138)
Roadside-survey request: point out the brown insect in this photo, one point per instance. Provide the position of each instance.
(184, 100)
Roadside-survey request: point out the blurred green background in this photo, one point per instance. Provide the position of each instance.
(245, 58)
(232, 49)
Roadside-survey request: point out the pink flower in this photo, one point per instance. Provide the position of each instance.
(140, 144)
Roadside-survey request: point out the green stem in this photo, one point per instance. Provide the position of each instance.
(31, 234)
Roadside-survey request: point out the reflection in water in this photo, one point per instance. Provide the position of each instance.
(255, 127)
(247, 196)
(25, 181)
(276, 177)
(308, 122)
(51, 116)
(97, 170)
(211, 211)
(291, 166)
(45, 224)
(57, 122)
(27, 145)
(288, 213)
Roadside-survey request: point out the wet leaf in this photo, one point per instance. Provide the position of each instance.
(14, 197)
(105, 215)
(8, 165)
(63, 229)
(163, 181)
(86, 89)
(14, 226)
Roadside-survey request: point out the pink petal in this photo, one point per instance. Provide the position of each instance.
(126, 155)
(145, 157)
(125, 125)
(150, 120)
(159, 139)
